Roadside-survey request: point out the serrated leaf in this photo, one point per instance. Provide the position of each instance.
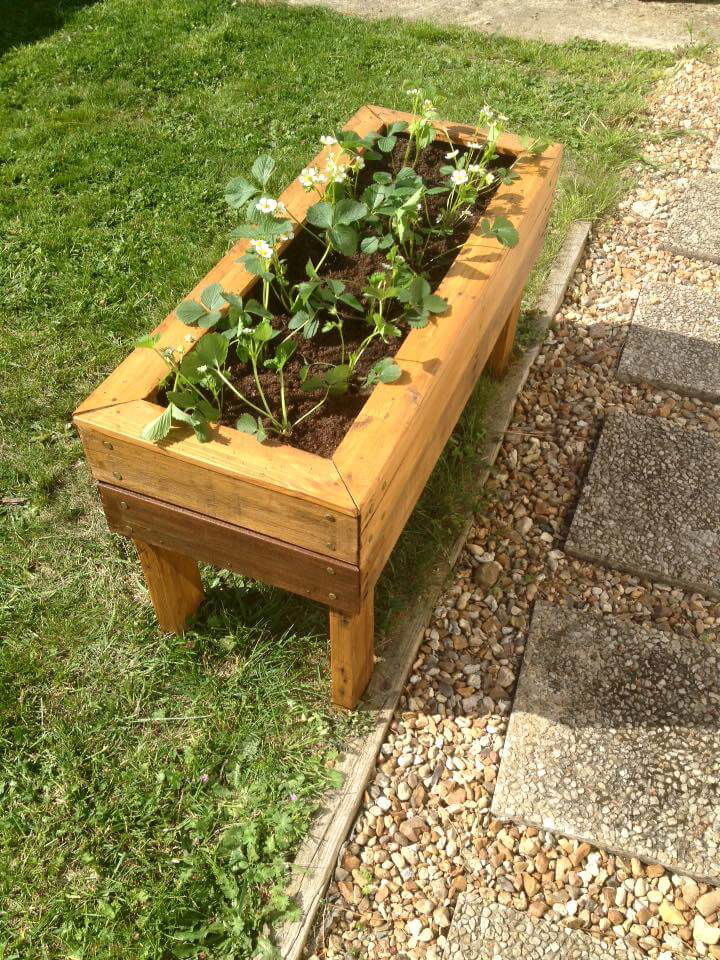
(320, 215)
(348, 211)
(238, 191)
(210, 319)
(369, 244)
(345, 239)
(246, 423)
(159, 428)
(351, 301)
(212, 349)
(386, 144)
(189, 312)
(436, 304)
(262, 169)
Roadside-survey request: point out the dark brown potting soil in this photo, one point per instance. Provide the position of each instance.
(322, 432)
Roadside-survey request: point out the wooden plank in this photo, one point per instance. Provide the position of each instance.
(352, 652)
(232, 479)
(502, 351)
(174, 584)
(387, 432)
(142, 371)
(391, 493)
(233, 548)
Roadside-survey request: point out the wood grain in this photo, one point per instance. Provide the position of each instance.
(352, 652)
(502, 351)
(174, 584)
(233, 548)
(271, 490)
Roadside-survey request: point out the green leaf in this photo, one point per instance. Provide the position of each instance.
(238, 191)
(351, 301)
(436, 304)
(502, 230)
(158, 428)
(210, 319)
(264, 331)
(348, 211)
(212, 297)
(345, 239)
(189, 312)
(320, 215)
(384, 370)
(246, 423)
(212, 349)
(369, 244)
(262, 169)
(386, 144)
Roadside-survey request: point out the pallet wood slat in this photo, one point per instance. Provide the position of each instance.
(232, 548)
(287, 516)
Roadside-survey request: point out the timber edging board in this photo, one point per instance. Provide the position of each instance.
(349, 508)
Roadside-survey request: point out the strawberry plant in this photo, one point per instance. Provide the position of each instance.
(317, 331)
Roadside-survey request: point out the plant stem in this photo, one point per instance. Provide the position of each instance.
(263, 413)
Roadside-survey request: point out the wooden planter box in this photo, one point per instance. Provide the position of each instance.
(320, 527)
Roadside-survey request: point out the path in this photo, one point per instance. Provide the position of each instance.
(659, 24)
(425, 835)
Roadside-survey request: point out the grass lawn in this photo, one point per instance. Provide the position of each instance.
(152, 787)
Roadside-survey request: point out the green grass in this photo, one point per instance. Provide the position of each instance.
(152, 788)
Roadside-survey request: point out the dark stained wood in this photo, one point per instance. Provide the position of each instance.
(332, 582)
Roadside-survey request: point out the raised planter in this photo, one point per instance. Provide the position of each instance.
(322, 527)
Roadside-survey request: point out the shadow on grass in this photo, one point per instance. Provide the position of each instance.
(28, 22)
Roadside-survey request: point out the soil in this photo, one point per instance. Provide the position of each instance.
(321, 433)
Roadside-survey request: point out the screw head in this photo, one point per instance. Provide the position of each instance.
(106, 443)
(118, 476)
(330, 570)
(332, 596)
(123, 505)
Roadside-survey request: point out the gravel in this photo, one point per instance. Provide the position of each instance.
(439, 764)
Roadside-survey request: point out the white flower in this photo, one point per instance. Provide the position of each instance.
(474, 145)
(459, 177)
(262, 249)
(359, 163)
(280, 209)
(489, 177)
(307, 177)
(475, 168)
(266, 205)
(428, 105)
(328, 141)
(412, 92)
(286, 236)
(451, 154)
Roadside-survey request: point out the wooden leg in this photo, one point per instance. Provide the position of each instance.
(500, 357)
(174, 584)
(351, 652)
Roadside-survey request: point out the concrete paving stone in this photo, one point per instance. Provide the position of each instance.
(694, 225)
(651, 504)
(614, 739)
(674, 341)
(482, 930)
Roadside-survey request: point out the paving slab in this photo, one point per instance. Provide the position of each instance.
(651, 504)
(694, 226)
(491, 931)
(635, 23)
(674, 341)
(614, 739)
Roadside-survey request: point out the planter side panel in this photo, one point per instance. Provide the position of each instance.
(228, 547)
(202, 478)
(420, 422)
